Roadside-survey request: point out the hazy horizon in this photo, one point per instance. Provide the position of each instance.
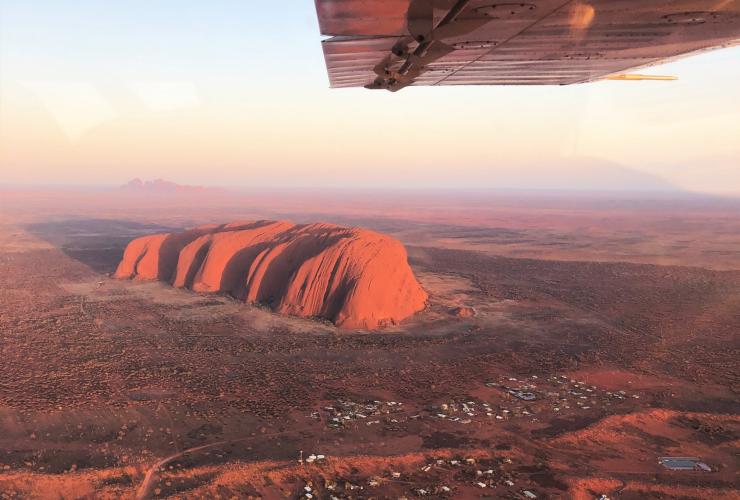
(656, 189)
(237, 95)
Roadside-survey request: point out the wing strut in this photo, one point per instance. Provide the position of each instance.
(421, 26)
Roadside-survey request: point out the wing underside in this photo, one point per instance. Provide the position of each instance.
(395, 43)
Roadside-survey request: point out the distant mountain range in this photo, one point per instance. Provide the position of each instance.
(161, 186)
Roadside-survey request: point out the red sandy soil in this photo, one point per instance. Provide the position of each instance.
(106, 383)
(350, 276)
(604, 227)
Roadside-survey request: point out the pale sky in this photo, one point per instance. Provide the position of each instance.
(235, 93)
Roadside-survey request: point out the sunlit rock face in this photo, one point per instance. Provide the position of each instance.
(353, 277)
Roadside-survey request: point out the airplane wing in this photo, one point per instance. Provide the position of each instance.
(391, 44)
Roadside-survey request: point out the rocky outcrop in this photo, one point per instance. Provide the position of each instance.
(161, 187)
(463, 312)
(353, 277)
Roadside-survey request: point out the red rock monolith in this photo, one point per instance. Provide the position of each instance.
(353, 277)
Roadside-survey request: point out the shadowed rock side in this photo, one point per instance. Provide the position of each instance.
(353, 277)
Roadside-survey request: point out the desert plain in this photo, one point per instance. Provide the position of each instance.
(569, 342)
